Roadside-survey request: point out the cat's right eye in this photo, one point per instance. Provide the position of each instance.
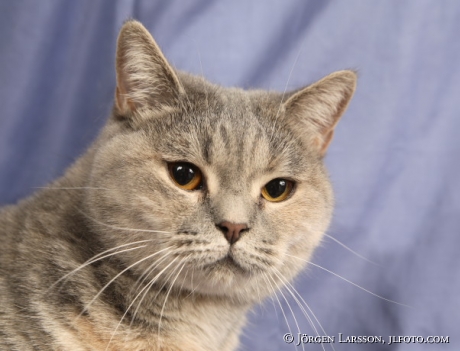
(186, 175)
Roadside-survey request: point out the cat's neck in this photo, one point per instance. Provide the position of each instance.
(206, 322)
(218, 323)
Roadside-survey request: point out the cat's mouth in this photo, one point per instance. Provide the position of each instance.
(230, 263)
(229, 260)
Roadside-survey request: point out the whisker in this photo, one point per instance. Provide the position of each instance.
(305, 313)
(119, 274)
(258, 293)
(98, 257)
(202, 74)
(142, 278)
(273, 300)
(313, 314)
(284, 93)
(122, 228)
(137, 296)
(70, 188)
(151, 269)
(191, 282)
(306, 305)
(274, 307)
(288, 80)
(164, 283)
(279, 303)
(186, 96)
(290, 308)
(183, 279)
(168, 292)
(349, 249)
(284, 283)
(349, 281)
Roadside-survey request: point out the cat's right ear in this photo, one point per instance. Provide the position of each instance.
(144, 77)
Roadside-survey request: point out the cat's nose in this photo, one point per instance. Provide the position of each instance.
(232, 231)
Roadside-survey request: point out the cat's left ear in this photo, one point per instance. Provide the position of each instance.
(315, 110)
(144, 76)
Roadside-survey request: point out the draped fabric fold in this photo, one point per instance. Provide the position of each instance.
(394, 160)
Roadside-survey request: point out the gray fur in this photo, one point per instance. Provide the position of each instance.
(120, 192)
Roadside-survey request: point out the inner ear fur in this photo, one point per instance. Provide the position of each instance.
(315, 110)
(144, 76)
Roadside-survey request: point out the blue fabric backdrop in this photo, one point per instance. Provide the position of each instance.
(394, 161)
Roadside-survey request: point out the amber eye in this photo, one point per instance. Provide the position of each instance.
(185, 175)
(277, 189)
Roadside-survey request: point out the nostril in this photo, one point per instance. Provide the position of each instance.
(222, 228)
(232, 231)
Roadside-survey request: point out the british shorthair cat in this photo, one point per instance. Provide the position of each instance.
(194, 203)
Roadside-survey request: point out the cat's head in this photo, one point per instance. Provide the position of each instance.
(222, 188)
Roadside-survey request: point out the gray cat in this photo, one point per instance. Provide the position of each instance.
(194, 203)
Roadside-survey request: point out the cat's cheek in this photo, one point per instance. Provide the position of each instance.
(300, 223)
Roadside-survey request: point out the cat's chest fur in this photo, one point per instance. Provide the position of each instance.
(195, 203)
(214, 329)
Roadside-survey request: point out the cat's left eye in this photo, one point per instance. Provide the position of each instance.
(186, 175)
(277, 189)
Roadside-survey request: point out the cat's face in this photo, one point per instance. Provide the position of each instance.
(183, 162)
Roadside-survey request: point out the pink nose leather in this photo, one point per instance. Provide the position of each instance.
(232, 231)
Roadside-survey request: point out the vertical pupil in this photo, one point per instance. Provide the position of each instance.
(276, 187)
(183, 174)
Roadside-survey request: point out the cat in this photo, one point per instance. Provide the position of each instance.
(194, 203)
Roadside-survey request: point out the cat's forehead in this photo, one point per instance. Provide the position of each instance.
(234, 132)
